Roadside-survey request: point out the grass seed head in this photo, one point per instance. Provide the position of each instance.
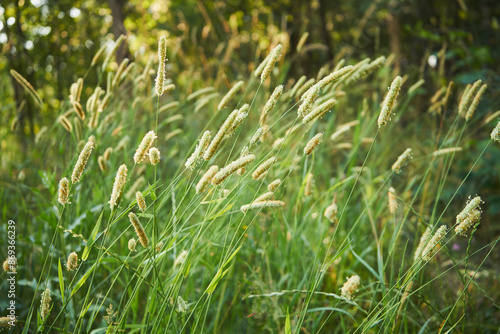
(350, 287)
(393, 203)
(495, 134)
(118, 186)
(433, 245)
(206, 179)
(230, 94)
(311, 145)
(139, 230)
(263, 168)
(274, 185)
(64, 191)
(154, 155)
(45, 304)
(72, 262)
(144, 146)
(231, 168)
(274, 57)
(390, 99)
(141, 202)
(132, 244)
(215, 143)
(260, 205)
(162, 57)
(402, 160)
(82, 161)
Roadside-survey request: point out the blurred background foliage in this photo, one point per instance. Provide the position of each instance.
(213, 43)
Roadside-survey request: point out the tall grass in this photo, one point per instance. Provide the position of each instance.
(241, 253)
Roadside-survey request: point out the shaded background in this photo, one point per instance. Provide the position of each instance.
(52, 43)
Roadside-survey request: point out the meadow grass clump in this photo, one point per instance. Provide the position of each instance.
(277, 239)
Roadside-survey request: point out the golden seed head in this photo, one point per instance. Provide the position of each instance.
(470, 215)
(271, 103)
(335, 75)
(319, 111)
(139, 230)
(475, 102)
(141, 202)
(154, 155)
(10, 264)
(260, 205)
(263, 168)
(469, 92)
(102, 163)
(118, 186)
(256, 137)
(445, 151)
(308, 99)
(82, 161)
(231, 168)
(311, 145)
(107, 153)
(402, 160)
(64, 191)
(206, 179)
(215, 143)
(390, 99)
(331, 212)
(144, 146)
(350, 287)
(264, 197)
(230, 94)
(199, 150)
(274, 57)
(423, 242)
(8, 321)
(162, 57)
(433, 245)
(72, 262)
(274, 185)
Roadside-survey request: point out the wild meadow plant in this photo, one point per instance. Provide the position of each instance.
(279, 222)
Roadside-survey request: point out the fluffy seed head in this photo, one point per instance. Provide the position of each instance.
(308, 99)
(274, 185)
(319, 111)
(350, 287)
(263, 168)
(154, 155)
(72, 262)
(206, 179)
(475, 102)
(118, 186)
(199, 150)
(132, 244)
(311, 145)
(215, 143)
(445, 151)
(139, 230)
(469, 92)
(81, 162)
(230, 94)
(144, 146)
(274, 57)
(10, 264)
(335, 75)
(64, 191)
(264, 197)
(141, 202)
(393, 203)
(260, 205)
(231, 168)
(390, 99)
(256, 137)
(402, 161)
(495, 134)
(45, 304)
(469, 215)
(162, 57)
(7, 322)
(271, 103)
(423, 242)
(433, 245)
(240, 118)
(331, 212)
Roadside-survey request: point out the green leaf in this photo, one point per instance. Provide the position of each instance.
(220, 274)
(83, 279)
(152, 192)
(90, 241)
(288, 326)
(61, 279)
